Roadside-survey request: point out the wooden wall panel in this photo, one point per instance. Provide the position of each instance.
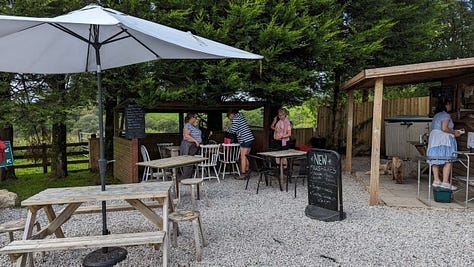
(363, 118)
(126, 152)
(126, 157)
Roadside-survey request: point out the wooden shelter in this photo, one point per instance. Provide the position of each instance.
(456, 77)
(126, 150)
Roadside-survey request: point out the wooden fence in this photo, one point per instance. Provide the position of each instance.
(303, 135)
(41, 155)
(362, 132)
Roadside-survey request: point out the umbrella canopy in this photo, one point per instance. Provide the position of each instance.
(65, 44)
(93, 39)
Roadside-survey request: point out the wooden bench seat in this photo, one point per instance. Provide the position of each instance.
(17, 225)
(117, 207)
(21, 247)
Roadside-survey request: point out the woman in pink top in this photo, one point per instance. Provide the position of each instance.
(282, 131)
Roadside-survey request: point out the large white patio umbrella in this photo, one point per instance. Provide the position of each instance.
(95, 38)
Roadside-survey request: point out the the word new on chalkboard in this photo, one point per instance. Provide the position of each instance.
(324, 185)
(134, 122)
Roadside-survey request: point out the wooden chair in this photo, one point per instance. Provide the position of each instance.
(148, 172)
(229, 156)
(161, 149)
(206, 168)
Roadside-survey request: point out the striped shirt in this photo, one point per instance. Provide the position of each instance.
(241, 128)
(195, 132)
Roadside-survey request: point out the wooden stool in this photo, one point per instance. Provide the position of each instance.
(194, 184)
(195, 218)
(12, 226)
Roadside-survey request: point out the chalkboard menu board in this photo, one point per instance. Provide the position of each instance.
(134, 122)
(324, 185)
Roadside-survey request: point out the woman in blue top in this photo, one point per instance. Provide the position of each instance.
(192, 139)
(442, 143)
(245, 138)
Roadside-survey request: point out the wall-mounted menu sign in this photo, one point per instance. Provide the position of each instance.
(134, 122)
(324, 185)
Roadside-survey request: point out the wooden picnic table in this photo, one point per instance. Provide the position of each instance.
(281, 154)
(73, 197)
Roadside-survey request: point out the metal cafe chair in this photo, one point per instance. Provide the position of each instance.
(262, 167)
(300, 173)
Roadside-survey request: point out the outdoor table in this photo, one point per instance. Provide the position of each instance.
(281, 154)
(468, 179)
(172, 163)
(74, 197)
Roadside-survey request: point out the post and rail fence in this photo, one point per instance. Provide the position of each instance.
(42, 155)
(83, 137)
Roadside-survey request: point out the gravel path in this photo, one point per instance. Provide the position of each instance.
(271, 229)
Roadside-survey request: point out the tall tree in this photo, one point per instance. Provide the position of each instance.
(297, 39)
(46, 95)
(383, 33)
(457, 35)
(6, 126)
(58, 98)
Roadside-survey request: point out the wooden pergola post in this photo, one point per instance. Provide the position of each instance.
(350, 125)
(376, 134)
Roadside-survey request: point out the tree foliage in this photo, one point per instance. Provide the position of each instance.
(310, 48)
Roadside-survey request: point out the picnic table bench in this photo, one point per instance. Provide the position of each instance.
(74, 197)
(20, 248)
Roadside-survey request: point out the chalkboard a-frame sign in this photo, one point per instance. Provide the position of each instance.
(324, 186)
(134, 121)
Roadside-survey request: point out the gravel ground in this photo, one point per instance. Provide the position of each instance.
(271, 229)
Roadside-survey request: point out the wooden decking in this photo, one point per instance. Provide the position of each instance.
(405, 195)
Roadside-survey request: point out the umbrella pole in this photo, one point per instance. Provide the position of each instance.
(102, 160)
(107, 256)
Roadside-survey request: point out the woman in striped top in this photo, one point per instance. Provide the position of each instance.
(244, 136)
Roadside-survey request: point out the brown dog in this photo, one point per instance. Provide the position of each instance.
(397, 170)
(384, 168)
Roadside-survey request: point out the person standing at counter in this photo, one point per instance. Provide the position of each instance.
(245, 138)
(192, 139)
(442, 143)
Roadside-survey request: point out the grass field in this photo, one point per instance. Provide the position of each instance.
(173, 116)
(32, 180)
